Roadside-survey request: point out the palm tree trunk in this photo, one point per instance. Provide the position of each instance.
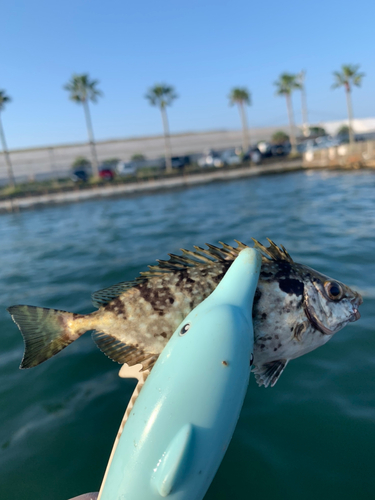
(245, 135)
(305, 121)
(167, 144)
(6, 155)
(350, 115)
(292, 134)
(90, 132)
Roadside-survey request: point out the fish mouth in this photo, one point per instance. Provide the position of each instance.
(355, 316)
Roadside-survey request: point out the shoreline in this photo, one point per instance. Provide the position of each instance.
(149, 186)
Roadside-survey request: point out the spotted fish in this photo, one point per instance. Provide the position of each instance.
(295, 310)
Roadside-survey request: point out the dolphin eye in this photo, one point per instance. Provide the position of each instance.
(333, 290)
(184, 329)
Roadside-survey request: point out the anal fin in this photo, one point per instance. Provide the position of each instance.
(269, 373)
(124, 353)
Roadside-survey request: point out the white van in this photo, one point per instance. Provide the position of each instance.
(126, 167)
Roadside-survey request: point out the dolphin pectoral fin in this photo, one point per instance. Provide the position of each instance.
(173, 462)
(269, 373)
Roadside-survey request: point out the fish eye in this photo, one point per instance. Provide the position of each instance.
(333, 290)
(184, 329)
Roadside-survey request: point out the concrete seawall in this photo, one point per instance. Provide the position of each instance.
(147, 186)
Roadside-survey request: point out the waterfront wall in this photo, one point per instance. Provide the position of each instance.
(359, 154)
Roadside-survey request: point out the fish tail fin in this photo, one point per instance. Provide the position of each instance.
(45, 332)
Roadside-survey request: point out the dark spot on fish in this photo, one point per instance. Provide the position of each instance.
(277, 337)
(164, 335)
(76, 316)
(116, 306)
(218, 277)
(291, 329)
(284, 270)
(275, 349)
(184, 278)
(291, 286)
(159, 298)
(265, 274)
(264, 315)
(204, 272)
(258, 295)
(262, 346)
(279, 344)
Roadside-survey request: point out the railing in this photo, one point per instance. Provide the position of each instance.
(359, 154)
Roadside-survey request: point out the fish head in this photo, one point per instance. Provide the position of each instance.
(328, 304)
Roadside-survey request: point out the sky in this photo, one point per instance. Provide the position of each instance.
(201, 47)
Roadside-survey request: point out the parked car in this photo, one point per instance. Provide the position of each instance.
(126, 168)
(281, 149)
(79, 175)
(106, 174)
(212, 159)
(180, 161)
(254, 155)
(230, 157)
(265, 149)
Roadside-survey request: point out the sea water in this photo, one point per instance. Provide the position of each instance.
(312, 436)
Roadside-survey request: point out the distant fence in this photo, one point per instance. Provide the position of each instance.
(56, 161)
(359, 153)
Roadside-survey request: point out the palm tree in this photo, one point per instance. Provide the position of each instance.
(162, 95)
(82, 90)
(347, 77)
(285, 86)
(4, 99)
(241, 96)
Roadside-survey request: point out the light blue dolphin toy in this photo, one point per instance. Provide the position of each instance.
(184, 417)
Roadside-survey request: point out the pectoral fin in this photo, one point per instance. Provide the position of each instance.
(269, 373)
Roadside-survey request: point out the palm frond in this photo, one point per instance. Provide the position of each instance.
(347, 77)
(161, 95)
(286, 83)
(239, 95)
(4, 99)
(81, 88)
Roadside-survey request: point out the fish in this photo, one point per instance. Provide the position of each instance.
(295, 310)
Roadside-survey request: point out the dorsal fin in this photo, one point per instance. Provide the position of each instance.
(273, 252)
(190, 258)
(103, 297)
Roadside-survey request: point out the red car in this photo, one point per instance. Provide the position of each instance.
(106, 174)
